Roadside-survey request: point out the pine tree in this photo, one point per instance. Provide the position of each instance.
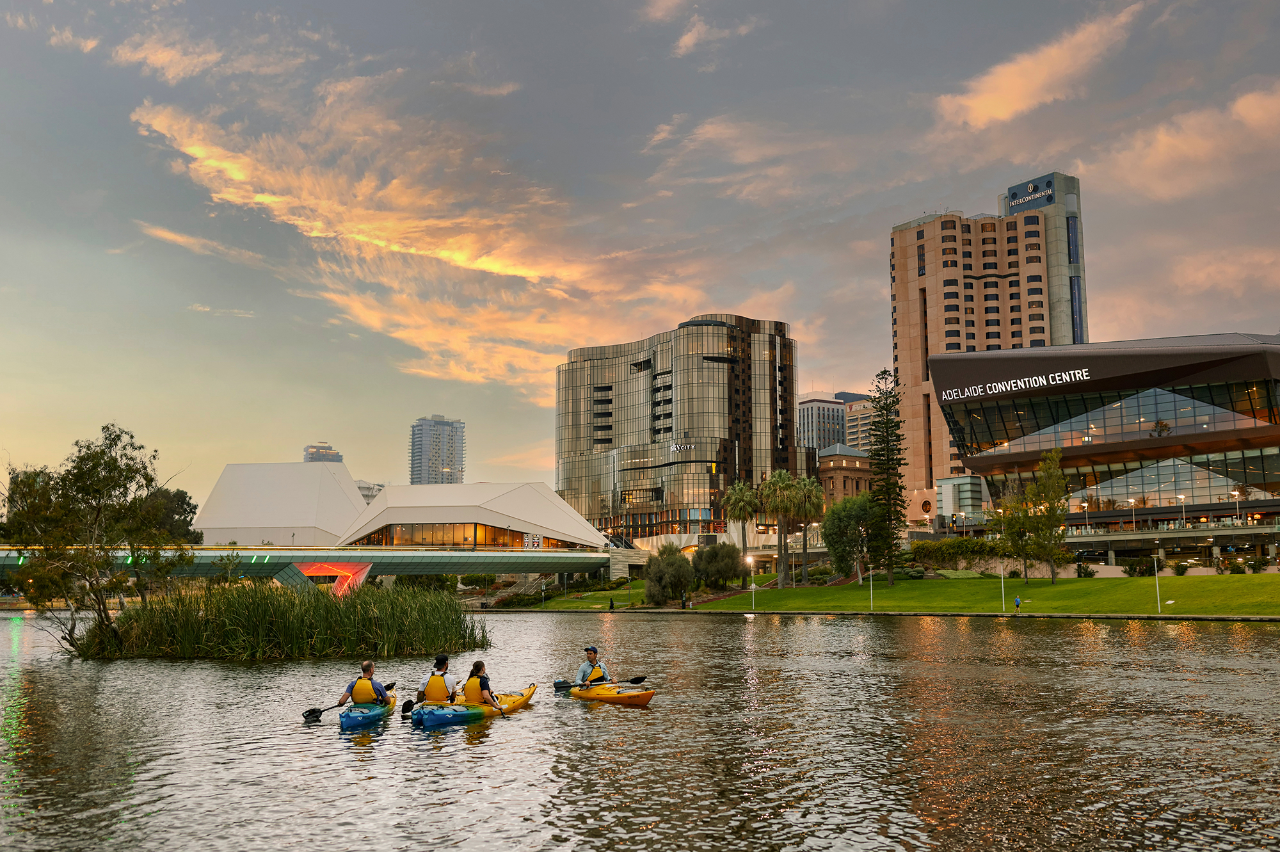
(888, 457)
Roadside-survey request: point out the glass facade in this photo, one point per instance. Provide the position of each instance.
(1150, 446)
(467, 536)
(649, 434)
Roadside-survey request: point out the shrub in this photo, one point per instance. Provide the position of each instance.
(950, 553)
(962, 575)
(666, 575)
(1238, 569)
(479, 581)
(1257, 566)
(1180, 568)
(1014, 574)
(440, 582)
(718, 565)
(1083, 571)
(916, 573)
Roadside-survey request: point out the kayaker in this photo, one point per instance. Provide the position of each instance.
(439, 685)
(476, 690)
(364, 689)
(593, 669)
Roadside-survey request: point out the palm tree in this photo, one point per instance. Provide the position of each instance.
(777, 494)
(810, 503)
(741, 503)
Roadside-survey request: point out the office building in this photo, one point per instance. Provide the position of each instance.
(857, 424)
(844, 472)
(1151, 431)
(1023, 266)
(649, 434)
(437, 451)
(321, 452)
(820, 419)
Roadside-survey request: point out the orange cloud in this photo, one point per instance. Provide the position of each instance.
(171, 54)
(700, 32)
(200, 245)
(65, 38)
(1051, 72)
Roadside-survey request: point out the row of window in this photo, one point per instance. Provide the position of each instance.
(987, 227)
(955, 347)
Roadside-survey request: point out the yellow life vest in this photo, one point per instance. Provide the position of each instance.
(471, 691)
(595, 673)
(436, 689)
(362, 692)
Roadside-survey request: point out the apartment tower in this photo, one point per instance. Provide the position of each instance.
(437, 451)
(1005, 280)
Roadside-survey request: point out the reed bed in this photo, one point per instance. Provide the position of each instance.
(270, 622)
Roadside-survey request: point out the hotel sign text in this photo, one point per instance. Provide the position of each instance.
(1026, 383)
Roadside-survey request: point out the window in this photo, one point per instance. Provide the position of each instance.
(1034, 305)
(1013, 252)
(990, 285)
(1016, 321)
(992, 323)
(1031, 220)
(951, 308)
(968, 266)
(968, 312)
(993, 335)
(948, 224)
(951, 321)
(891, 244)
(1015, 334)
(950, 333)
(1037, 329)
(988, 227)
(920, 235)
(964, 229)
(1035, 291)
(988, 241)
(1015, 295)
(1012, 239)
(951, 282)
(990, 297)
(1037, 343)
(949, 238)
(991, 309)
(1014, 283)
(953, 347)
(966, 349)
(969, 323)
(968, 285)
(1032, 279)
(989, 253)
(1035, 318)
(1033, 247)
(989, 348)
(968, 335)
(1027, 235)
(1016, 345)
(951, 295)
(968, 298)
(950, 264)
(990, 265)
(966, 254)
(947, 251)
(1011, 226)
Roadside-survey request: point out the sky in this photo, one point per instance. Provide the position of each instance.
(238, 228)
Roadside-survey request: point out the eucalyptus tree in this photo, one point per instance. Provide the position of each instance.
(1047, 505)
(777, 495)
(846, 528)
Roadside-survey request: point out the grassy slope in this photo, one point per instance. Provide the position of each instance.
(1230, 594)
(600, 600)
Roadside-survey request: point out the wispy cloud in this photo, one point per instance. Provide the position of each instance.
(699, 32)
(65, 38)
(169, 52)
(539, 457)
(1052, 72)
(1195, 151)
(662, 10)
(19, 21)
(220, 312)
(200, 245)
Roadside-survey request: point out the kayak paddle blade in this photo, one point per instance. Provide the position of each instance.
(312, 715)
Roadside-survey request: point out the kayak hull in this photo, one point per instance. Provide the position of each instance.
(365, 715)
(461, 713)
(611, 693)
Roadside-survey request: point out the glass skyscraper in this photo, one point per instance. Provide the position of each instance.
(437, 451)
(650, 434)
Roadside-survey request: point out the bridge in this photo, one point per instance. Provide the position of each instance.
(295, 566)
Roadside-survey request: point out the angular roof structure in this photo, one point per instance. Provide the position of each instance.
(528, 507)
(303, 503)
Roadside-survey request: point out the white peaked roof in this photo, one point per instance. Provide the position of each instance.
(528, 507)
(301, 495)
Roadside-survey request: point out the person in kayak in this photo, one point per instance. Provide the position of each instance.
(439, 685)
(476, 690)
(364, 689)
(593, 669)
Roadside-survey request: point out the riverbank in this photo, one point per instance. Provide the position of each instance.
(1228, 595)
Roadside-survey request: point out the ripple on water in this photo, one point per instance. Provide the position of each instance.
(774, 733)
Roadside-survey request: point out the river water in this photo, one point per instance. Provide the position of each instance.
(772, 733)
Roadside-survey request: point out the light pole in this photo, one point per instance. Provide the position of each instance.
(1085, 505)
(1182, 501)
(964, 525)
(1236, 494)
(750, 562)
(1133, 513)
(1155, 566)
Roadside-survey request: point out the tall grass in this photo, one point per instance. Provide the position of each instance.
(269, 622)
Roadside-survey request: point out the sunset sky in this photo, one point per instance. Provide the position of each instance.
(237, 228)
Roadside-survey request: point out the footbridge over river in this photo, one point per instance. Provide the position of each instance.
(351, 566)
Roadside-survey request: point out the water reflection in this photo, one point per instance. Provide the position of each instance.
(770, 733)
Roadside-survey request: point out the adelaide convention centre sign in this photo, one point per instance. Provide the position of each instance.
(1025, 383)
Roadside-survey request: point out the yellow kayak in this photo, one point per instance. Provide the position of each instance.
(509, 701)
(612, 693)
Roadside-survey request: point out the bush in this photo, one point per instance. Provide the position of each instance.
(822, 571)
(439, 582)
(1257, 566)
(961, 574)
(479, 581)
(1180, 568)
(1083, 571)
(666, 575)
(916, 573)
(1238, 569)
(950, 553)
(718, 565)
(1014, 574)
(1140, 566)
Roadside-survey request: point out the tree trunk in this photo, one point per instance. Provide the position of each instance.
(782, 549)
(857, 566)
(744, 556)
(1026, 580)
(1053, 573)
(804, 560)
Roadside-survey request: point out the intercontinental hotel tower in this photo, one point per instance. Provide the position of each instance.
(960, 283)
(650, 434)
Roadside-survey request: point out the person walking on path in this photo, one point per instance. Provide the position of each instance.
(1017, 604)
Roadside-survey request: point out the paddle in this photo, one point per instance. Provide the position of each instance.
(314, 714)
(565, 686)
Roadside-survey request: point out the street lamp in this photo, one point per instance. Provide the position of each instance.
(1236, 494)
(750, 561)
(1155, 570)
(1182, 501)
(1133, 513)
(964, 525)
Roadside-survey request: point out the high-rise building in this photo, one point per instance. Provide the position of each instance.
(1027, 265)
(857, 424)
(820, 420)
(320, 452)
(437, 451)
(650, 434)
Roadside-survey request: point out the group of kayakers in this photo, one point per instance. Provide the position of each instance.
(440, 687)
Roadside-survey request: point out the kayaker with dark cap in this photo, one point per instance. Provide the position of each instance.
(438, 686)
(593, 669)
(364, 689)
(477, 690)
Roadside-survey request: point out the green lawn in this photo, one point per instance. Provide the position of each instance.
(600, 600)
(1229, 594)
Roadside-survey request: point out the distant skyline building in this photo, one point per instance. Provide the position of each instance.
(1023, 266)
(320, 451)
(820, 419)
(857, 425)
(437, 451)
(650, 434)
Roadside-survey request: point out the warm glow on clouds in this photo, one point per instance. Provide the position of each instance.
(1195, 151)
(65, 38)
(700, 32)
(200, 245)
(540, 457)
(170, 53)
(1052, 72)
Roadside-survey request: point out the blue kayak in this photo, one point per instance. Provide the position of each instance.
(364, 715)
(436, 715)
